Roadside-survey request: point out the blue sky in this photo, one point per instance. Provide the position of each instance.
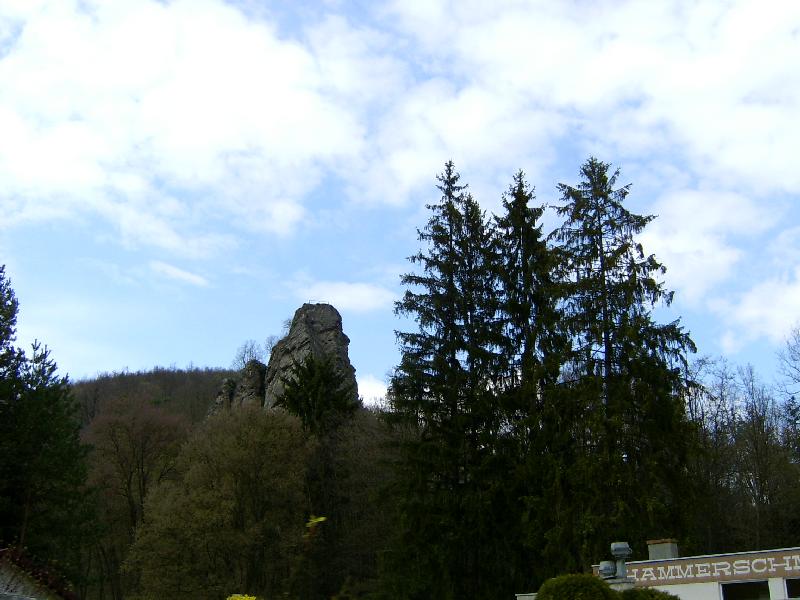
(178, 177)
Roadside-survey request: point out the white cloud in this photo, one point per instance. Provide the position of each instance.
(371, 389)
(355, 297)
(357, 65)
(701, 80)
(769, 309)
(223, 110)
(176, 274)
(213, 106)
(698, 236)
(769, 306)
(219, 121)
(784, 249)
(488, 134)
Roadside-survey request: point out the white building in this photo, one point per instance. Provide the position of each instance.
(759, 575)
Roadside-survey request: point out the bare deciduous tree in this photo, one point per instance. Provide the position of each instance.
(249, 350)
(789, 362)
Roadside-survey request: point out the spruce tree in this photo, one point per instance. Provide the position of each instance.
(531, 344)
(11, 358)
(444, 392)
(42, 460)
(533, 348)
(623, 376)
(320, 396)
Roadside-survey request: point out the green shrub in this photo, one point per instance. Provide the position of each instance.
(576, 587)
(647, 594)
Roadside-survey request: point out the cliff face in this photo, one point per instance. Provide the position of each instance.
(316, 330)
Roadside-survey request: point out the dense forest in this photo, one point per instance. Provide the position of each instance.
(539, 412)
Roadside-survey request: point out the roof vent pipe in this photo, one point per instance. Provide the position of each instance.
(621, 551)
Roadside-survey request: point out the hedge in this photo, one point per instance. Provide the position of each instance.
(590, 587)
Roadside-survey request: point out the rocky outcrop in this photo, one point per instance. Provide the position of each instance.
(316, 330)
(250, 387)
(246, 389)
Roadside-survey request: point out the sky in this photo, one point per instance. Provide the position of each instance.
(177, 177)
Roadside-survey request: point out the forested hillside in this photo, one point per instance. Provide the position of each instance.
(539, 412)
(185, 392)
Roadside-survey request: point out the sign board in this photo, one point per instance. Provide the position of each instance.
(721, 567)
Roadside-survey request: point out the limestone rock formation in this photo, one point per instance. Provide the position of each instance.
(250, 388)
(316, 330)
(246, 389)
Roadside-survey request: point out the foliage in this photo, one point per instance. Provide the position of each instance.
(10, 357)
(530, 342)
(743, 459)
(234, 517)
(249, 350)
(42, 460)
(136, 434)
(534, 346)
(610, 282)
(345, 480)
(576, 587)
(536, 377)
(338, 478)
(187, 392)
(134, 448)
(789, 362)
(136, 422)
(622, 386)
(642, 593)
(453, 497)
(135, 445)
(318, 394)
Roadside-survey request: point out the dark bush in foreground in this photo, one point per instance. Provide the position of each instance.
(576, 587)
(590, 587)
(646, 594)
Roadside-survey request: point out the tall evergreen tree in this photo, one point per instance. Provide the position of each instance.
(612, 284)
(42, 461)
(11, 362)
(532, 351)
(320, 396)
(531, 343)
(11, 358)
(623, 371)
(443, 389)
(316, 393)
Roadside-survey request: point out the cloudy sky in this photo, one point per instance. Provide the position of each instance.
(178, 177)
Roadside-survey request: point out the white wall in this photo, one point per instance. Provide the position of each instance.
(693, 591)
(713, 591)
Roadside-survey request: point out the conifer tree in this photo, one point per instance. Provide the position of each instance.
(533, 348)
(531, 343)
(623, 374)
(320, 396)
(612, 284)
(11, 358)
(316, 393)
(443, 390)
(42, 461)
